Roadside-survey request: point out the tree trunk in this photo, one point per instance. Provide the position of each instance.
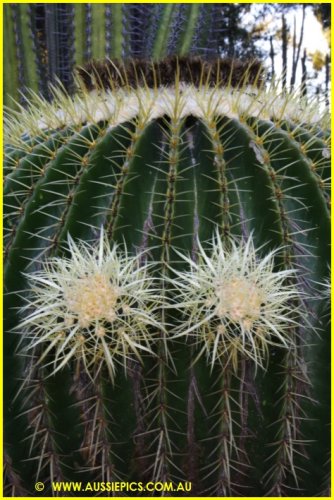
(284, 50)
(304, 75)
(296, 50)
(272, 57)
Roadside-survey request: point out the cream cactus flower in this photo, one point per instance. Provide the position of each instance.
(98, 305)
(233, 302)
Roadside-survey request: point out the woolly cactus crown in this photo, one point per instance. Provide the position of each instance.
(117, 91)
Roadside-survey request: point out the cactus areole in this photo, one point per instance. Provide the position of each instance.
(166, 258)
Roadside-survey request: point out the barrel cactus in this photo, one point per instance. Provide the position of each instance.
(166, 259)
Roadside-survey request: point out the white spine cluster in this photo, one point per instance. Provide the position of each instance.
(233, 303)
(98, 306)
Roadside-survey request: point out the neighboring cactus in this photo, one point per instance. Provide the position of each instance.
(187, 181)
(46, 41)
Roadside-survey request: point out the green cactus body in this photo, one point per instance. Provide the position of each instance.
(162, 171)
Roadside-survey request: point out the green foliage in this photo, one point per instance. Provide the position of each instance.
(161, 173)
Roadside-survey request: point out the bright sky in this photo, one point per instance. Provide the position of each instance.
(313, 39)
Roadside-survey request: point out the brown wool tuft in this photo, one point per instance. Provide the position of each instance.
(113, 74)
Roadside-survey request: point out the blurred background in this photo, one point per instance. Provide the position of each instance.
(44, 42)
